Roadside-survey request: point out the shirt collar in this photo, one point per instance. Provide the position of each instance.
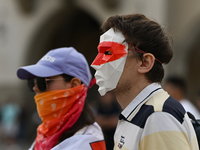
(141, 98)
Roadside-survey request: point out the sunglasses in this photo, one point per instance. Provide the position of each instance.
(42, 83)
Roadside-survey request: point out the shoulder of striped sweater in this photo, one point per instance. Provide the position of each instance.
(158, 99)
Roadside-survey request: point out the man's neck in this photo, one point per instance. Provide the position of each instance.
(124, 98)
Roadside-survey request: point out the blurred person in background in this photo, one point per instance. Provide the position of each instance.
(132, 51)
(177, 87)
(9, 123)
(60, 80)
(107, 112)
(197, 99)
(23, 124)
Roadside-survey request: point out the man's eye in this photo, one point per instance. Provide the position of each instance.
(107, 53)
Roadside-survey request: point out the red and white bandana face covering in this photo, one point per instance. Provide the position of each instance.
(59, 111)
(110, 61)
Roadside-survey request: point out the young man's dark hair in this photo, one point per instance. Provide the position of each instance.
(148, 36)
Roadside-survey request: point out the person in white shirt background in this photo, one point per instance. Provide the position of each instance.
(176, 86)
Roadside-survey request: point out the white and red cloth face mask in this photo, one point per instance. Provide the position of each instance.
(110, 61)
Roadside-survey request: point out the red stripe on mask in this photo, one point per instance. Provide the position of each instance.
(108, 52)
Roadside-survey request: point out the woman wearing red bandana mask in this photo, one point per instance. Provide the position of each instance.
(60, 80)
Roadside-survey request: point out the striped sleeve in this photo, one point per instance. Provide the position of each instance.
(163, 131)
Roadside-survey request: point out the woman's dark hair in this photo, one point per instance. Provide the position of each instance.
(146, 35)
(68, 78)
(86, 117)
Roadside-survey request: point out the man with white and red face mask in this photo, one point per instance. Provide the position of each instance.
(132, 51)
(110, 61)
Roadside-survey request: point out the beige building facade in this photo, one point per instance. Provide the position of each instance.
(28, 29)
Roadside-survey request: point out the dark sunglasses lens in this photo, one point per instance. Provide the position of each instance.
(41, 83)
(31, 84)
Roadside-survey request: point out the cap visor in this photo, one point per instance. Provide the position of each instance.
(36, 70)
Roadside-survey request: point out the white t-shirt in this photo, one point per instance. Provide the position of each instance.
(190, 107)
(81, 140)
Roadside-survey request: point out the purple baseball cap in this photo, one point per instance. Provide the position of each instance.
(65, 60)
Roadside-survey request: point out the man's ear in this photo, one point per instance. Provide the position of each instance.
(147, 63)
(75, 82)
